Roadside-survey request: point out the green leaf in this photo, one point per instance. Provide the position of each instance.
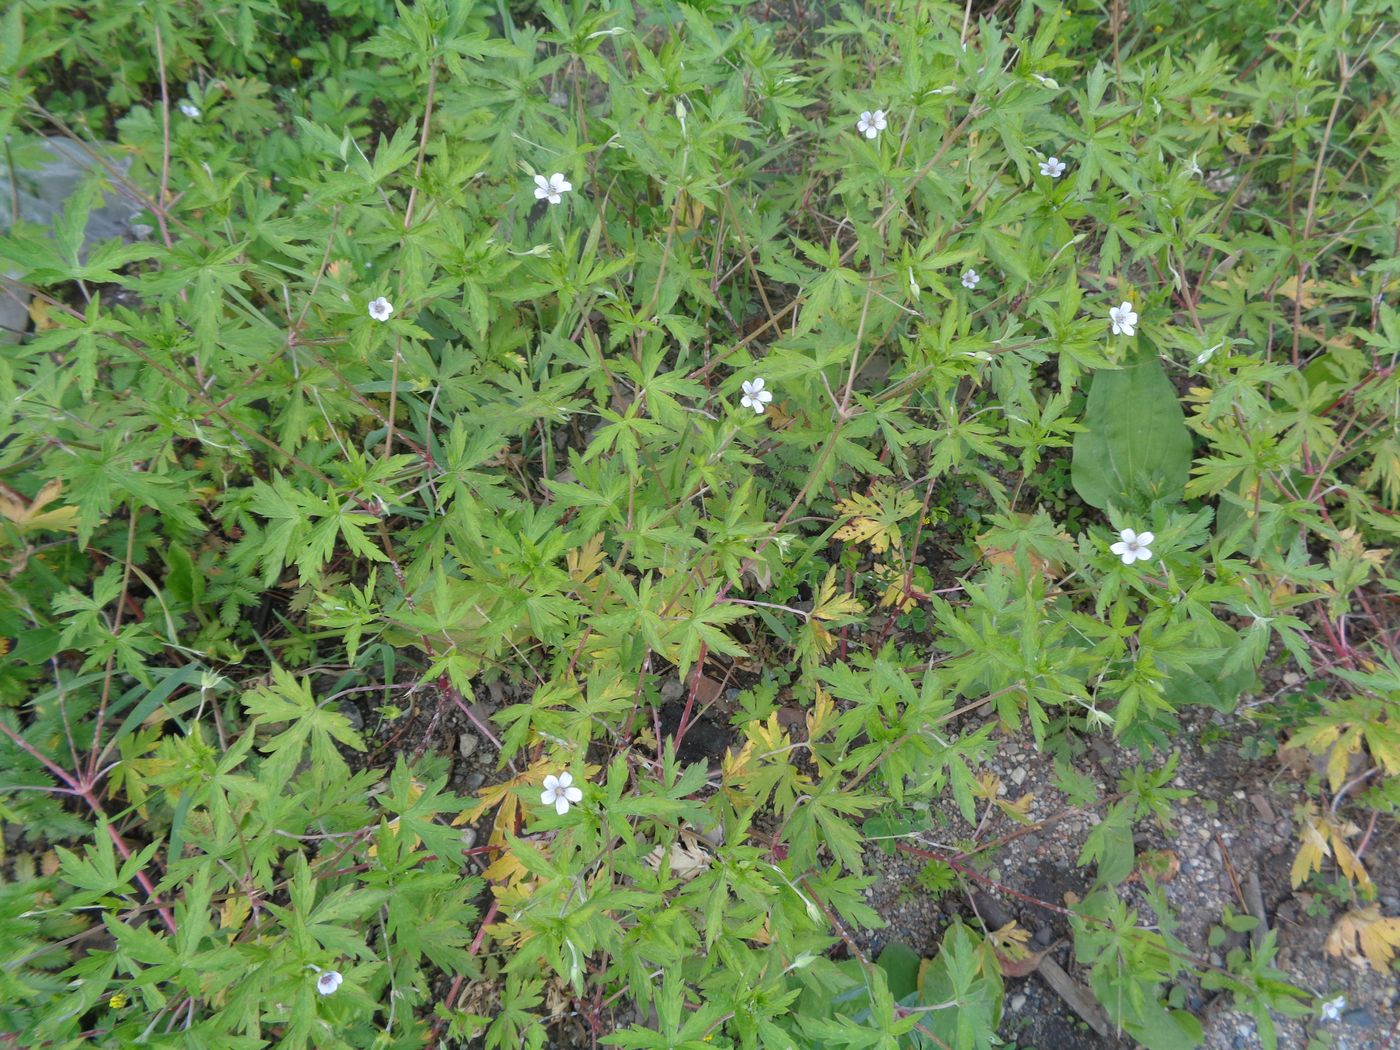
(1135, 447)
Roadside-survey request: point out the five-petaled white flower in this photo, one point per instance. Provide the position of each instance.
(380, 309)
(755, 397)
(970, 278)
(871, 124)
(1123, 319)
(1054, 167)
(560, 792)
(328, 982)
(552, 189)
(1332, 1008)
(189, 109)
(1132, 546)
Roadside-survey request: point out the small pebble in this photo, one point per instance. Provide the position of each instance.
(1359, 1017)
(1018, 775)
(1017, 1001)
(473, 781)
(352, 715)
(468, 838)
(466, 744)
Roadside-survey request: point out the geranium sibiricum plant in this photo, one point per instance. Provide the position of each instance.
(410, 568)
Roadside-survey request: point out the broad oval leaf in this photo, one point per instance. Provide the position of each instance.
(1135, 448)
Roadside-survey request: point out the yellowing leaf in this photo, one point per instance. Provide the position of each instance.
(875, 518)
(30, 516)
(988, 786)
(1011, 941)
(832, 606)
(233, 913)
(770, 734)
(1322, 837)
(895, 592)
(864, 530)
(1312, 848)
(736, 764)
(586, 560)
(1305, 298)
(1020, 810)
(1363, 936)
(820, 715)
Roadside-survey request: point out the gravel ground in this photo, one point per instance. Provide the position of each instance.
(1238, 823)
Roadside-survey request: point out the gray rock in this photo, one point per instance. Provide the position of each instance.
(1359, 1017)
(466, 744)
(42, 193)
(473, 781)
(352, 715)
(468, 838)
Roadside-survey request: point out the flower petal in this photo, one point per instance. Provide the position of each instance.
(1120, 548)
(565, 779)
(561, 805)
(1145, 538)
(573, 794)
(552, 783)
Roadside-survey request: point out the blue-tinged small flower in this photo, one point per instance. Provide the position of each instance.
(871, 124)
(553, 188)
(1133, 546)
(560, 793)
(1332, 1008)
(190, 110)
(380, 309)
(970, 277)
(755, 397)
(1123, 319)
(328, 982)
(1054, 167)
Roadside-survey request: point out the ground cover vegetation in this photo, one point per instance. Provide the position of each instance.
(742, 419)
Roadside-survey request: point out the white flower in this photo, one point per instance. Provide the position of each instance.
(558, 98)
(560, 793)
(1332, 1008)
(755, 397)
(189, 109)
(1054, 167)
(380, 309)
(553, 188)
(328, 982)
(1132, 546)
(1123, 319)
(970, 278)
(871, 124)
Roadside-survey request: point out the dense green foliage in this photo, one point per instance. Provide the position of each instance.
(240, 495)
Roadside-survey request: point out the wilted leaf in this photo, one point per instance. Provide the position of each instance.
(30, 516)
(687, 858)
(1363, 936)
